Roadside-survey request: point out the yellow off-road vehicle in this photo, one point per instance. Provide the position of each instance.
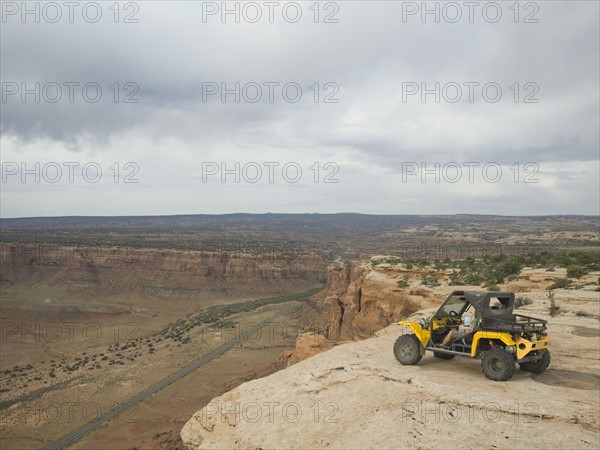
(483, 326)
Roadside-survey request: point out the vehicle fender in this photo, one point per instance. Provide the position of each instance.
(421, 333)
(495, 335)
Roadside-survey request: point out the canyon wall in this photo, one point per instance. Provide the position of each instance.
(168, 272)
(358, 301)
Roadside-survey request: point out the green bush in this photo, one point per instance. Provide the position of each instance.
(560, 283)
(473, 279)
(430, 281)
(574, 271)
(522, 301)
(440, 265)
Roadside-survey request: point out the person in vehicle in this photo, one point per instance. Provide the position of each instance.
(460, 332)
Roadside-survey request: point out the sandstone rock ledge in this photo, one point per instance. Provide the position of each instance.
(357, 396)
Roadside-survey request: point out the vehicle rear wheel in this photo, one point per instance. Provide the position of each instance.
(498, 365)
(407, 350)
(443, 355)
(537, 366)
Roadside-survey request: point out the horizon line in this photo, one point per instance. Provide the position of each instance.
(290, 214)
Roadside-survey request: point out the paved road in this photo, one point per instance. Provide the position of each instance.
(77, 434)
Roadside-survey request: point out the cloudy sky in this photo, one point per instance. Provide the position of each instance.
(372, 107)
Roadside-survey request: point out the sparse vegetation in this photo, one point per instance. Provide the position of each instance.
(390, 260)
(176, 331)
(496, 269)
(490, 270)
(403, 284)
(224, 324)
(575, 271)
(560, 283)
(522, 301)
(430, 281)
(441, 265)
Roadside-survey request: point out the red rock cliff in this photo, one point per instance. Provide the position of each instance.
(358, 302)
(158, 271)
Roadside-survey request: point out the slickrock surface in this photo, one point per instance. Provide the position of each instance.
(357, 395)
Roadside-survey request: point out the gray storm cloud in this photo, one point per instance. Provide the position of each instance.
(378, 106)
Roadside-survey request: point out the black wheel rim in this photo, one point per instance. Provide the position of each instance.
(496, 365)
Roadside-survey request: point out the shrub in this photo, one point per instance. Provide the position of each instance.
(440, 265)
(560, 283)
(510, 267)
(430, 281)
(455, 279)
(574, 271)
(582, 314)
(522, 301)
(473, 279)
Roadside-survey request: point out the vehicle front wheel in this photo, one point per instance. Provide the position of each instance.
(407, 350)
(537, 366)
(498, 365)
